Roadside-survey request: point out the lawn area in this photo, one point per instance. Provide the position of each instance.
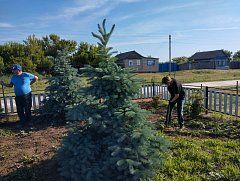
(188, 76)
(201, 159)
(207, 149)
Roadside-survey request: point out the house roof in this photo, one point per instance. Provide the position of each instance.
(131, 55)
(209, 55)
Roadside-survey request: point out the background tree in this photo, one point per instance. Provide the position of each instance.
(53, 43)
(11, 52)
(26, 63)
(86, 54)
(46, 64)
(236, 56)
(115, 141)
(34, 49)
(180, 59)
(228, 53)
(1, 65)
(35, 52)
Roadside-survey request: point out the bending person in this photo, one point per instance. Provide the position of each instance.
(177, 97)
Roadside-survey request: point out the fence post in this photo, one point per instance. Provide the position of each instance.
(5, 103)
(153, 84)
(206, 100)
(1, 108)
(237, 87)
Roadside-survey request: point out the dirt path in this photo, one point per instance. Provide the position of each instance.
(226, 83)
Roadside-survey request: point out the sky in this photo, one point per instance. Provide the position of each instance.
(141, 25)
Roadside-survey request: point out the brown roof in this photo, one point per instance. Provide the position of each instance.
(131, 55)
(209, 55)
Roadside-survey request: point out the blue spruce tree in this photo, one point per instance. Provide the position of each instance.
(63, 88)
(114, 140)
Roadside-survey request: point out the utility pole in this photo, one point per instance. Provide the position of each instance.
(170, 55)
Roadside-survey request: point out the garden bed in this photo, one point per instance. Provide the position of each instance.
(208, 148)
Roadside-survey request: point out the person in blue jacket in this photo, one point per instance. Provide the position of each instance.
(22, 82)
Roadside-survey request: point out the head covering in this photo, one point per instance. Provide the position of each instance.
(17, 67)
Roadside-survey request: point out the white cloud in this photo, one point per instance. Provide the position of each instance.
(174, 7)
(158, 10)
(209, 29)
(130, 1)
(6, 25)
(146, 39)
(84, 6)
(79, 8)
(95, 6)
(215, 29)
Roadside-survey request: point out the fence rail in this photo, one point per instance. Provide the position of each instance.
(8, 105)
(214, 99)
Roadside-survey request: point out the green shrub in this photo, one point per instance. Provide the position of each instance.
(156, 102)
(195, 104)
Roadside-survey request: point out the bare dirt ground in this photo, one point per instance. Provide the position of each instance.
(25, 153)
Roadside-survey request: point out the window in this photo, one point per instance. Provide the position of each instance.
(151, 62)
(130, 63)
(138, 62)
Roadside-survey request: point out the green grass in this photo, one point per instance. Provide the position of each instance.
(201, 159)
(208, 149)
(5, 132)
(218, 125)
(188, 76)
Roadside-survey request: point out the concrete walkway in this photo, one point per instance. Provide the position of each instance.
(219, 84)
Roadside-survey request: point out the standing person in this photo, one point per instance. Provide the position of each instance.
(177, 97)
(22, 89)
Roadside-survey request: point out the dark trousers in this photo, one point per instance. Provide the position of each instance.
(171, 105)
(24, 105)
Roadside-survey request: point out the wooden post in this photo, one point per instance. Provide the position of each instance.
(5, 103)
(206, 100)
(236, 106)
(154, 93)
(237, 87)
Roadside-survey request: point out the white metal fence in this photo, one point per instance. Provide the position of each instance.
(214, 100)
(8, 105)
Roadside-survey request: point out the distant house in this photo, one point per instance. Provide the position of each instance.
(140, 63)
(216, 59)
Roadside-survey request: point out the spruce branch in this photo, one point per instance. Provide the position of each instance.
(104, 37)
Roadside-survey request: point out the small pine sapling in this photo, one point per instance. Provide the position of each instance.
(195, 104)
